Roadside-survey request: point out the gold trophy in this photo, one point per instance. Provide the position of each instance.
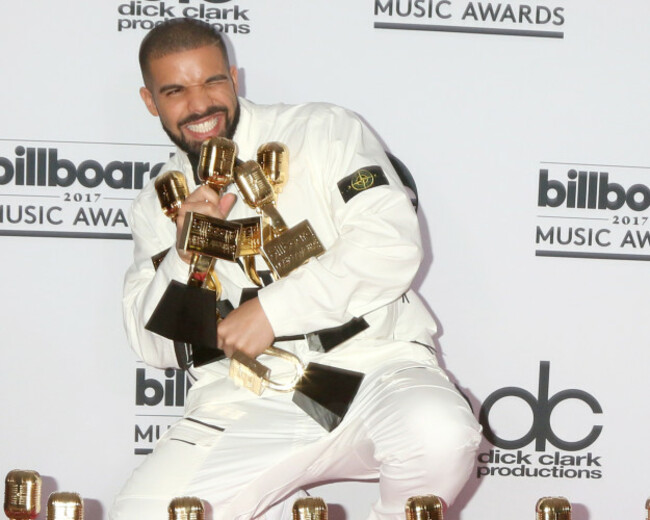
(290, 248)
(65, 506)
(424, 507)
(217, 162)
(189, 313)
(186, 508)
(309, 508)
(22, 494)
(324, 392)
(171, 188)
(273, 158)
(258, 193)
(250, 242)
(216, 169)
(208, 236)
(553, 508)
(186, 312)
(256, 377)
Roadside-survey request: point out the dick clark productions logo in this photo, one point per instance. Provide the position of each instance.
(542, 407)
(541, 463)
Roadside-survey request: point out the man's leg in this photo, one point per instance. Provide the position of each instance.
(408, 426)
(425, 439)
(215, 457)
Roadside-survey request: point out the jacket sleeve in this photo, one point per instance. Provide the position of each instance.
(376, 251)
(144, 286)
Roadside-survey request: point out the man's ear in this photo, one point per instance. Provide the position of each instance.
(235, 80)
(147, 97)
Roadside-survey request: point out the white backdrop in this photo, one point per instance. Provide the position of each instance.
(478, 103)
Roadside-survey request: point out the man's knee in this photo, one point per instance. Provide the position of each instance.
(428, 419)
(440, 422)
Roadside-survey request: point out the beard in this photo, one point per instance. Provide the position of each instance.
(193, 148)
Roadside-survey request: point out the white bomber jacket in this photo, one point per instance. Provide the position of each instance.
(372, 243)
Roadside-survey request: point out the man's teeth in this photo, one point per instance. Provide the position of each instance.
(206, 126)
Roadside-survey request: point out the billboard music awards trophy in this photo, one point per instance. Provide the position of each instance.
(309, 508)
(553, 508)
(186, 312)
(65, 506)
(186, 508)
(324, 392)
(423, 507)
(22, 494)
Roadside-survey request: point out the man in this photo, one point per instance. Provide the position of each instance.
(246, 455)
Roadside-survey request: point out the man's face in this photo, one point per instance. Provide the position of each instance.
(194, 95)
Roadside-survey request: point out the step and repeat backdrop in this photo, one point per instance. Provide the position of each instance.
(526, 128)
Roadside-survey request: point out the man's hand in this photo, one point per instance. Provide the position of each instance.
(246, 329)
(203, 200)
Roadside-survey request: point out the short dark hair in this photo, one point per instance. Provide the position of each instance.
(177, 35)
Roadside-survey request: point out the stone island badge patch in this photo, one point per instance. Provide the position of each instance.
(361, 180)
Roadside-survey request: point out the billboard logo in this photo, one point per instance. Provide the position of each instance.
(152, 392)
(593, 211)
(72, 189)
(591, 190)
(159, 401)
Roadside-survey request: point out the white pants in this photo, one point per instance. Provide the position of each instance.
(408, 426)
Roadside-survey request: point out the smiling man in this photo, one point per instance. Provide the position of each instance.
(191, 106)
(248, 456)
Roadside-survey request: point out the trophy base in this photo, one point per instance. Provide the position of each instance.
(189, 355)
(203, 355)
(326, 392)
(186, 313)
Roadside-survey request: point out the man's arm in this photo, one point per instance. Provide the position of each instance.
(376, 252)
(143, 286)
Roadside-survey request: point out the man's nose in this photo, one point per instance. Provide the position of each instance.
(198, 99)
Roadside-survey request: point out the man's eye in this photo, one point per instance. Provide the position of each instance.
(173, 92)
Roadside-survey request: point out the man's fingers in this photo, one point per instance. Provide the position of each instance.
(202, 194)
(226, 203)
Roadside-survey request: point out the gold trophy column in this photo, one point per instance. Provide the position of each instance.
(290, 248)
(186, 508)
(22, 494)
(171, 188)
(205, 236)
(553, 508)
(423, 507)
(217, 162)
(309, 508)
(65, 506)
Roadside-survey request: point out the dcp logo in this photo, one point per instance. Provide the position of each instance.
(542, 407)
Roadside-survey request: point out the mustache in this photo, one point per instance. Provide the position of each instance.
(209, 112)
